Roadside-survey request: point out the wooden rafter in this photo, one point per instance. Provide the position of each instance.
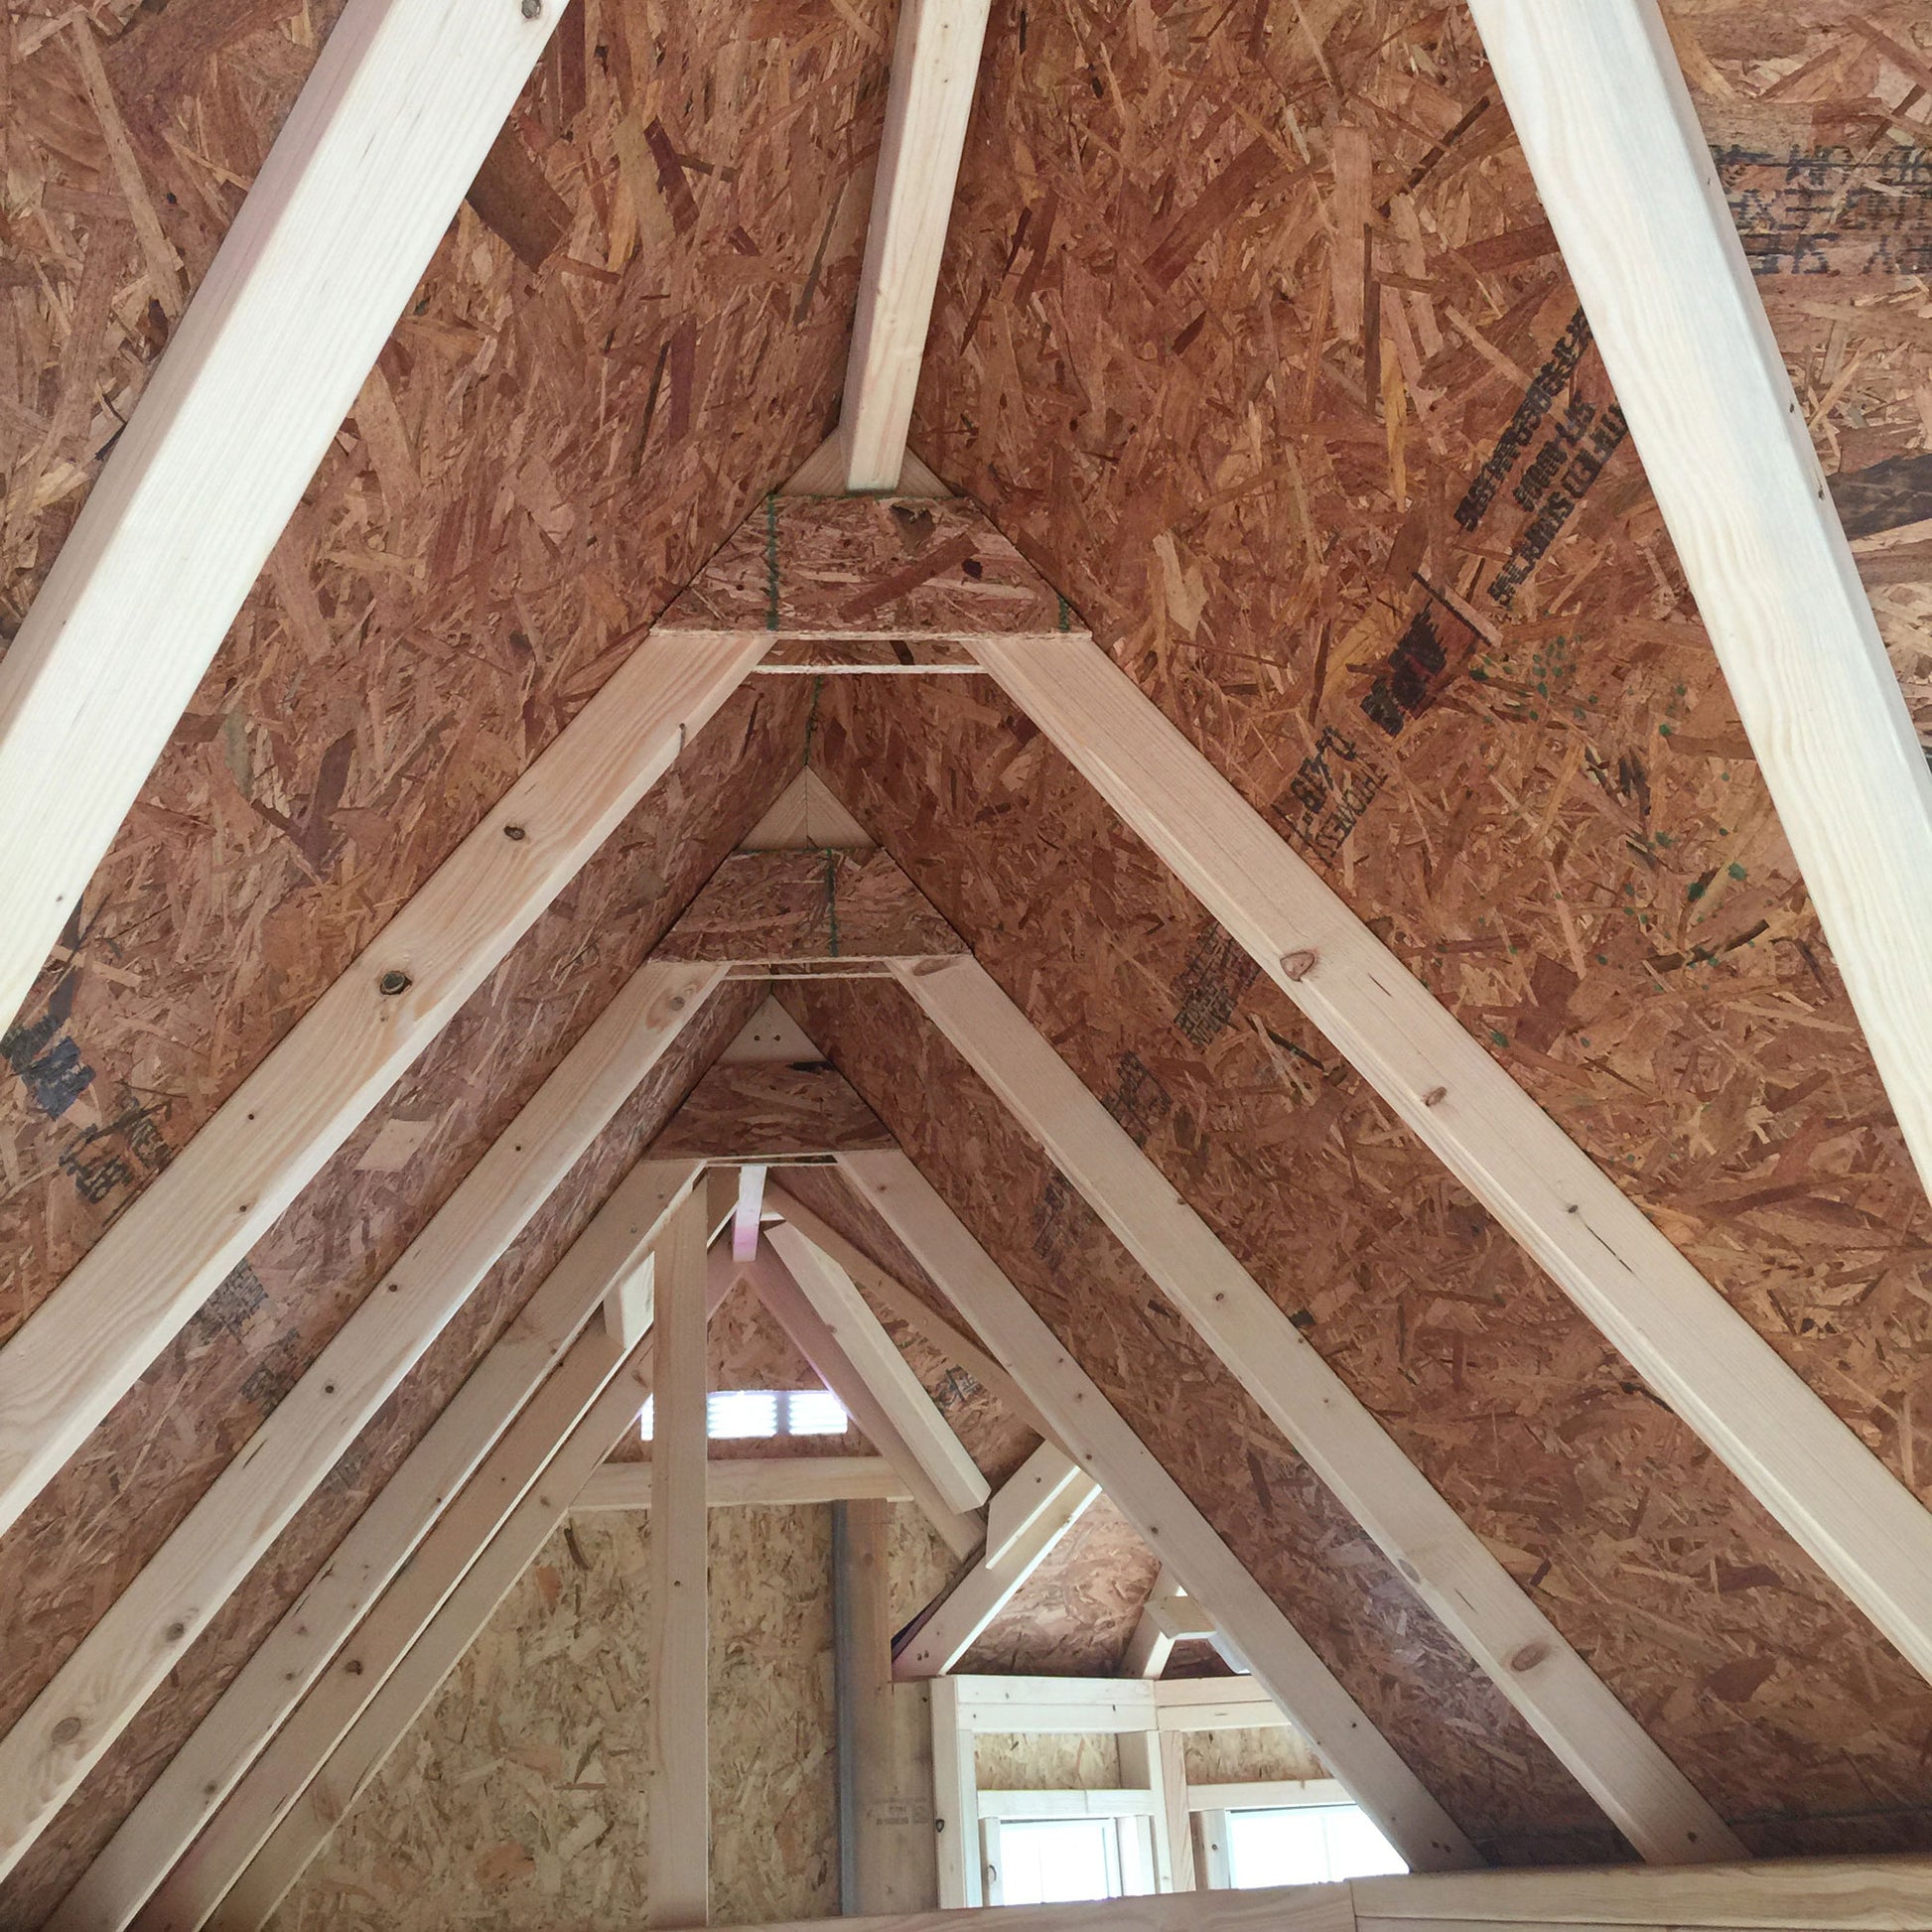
(362, 182)
(148, 1629)
(1841, 1504)
(1092, 1431)
(88, 1342)
(1608, 1753)
(809, 1334)
(935, 61)
(862, 1337)
(1626, 178)
(1027, 1517)
(678, 1801)
(282, 1812)
(734, 1481)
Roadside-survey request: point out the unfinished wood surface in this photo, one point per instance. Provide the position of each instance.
(1840, 1503)
(755, 1109)
(863, 1339)
(409, 1681)
(1848, 1892)
(897, 1299)
(746, 1216)
(1168, 1617)
(814, 1340)
(680, 1783)
(158, 1832)
(894, 1855)
(476, 560)
(1028, 1515)
(390, 131)
(803, 569)
(779, 906)
(955, 1800)
(1094, 1434)
(1603, 1747)
(764, 1481)
(44, 1758)
(1638, 209)
(805, 817)
(935, 62)
(98, 1331)
(1561, 828)
(1300, 1908)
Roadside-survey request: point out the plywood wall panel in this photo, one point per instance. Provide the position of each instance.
(1475, 1755)
(1252, 337)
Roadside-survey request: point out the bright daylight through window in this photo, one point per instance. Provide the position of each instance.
(732, 1414)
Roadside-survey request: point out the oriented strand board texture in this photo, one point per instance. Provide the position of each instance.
(1234, 1756)
(1252, 337)
(764, 1108)
(544, 456)
(520, 1795)
(1474, 1754)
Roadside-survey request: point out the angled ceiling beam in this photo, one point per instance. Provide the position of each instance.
(677, 1617)
(365, 176)
(1608, 1753)
(862, 1337)
(782, 1295)
(935, 61)
(751, 1206)
(1143, 1491)
(93, 1337)
(94, 1695)
(1626, 178)
(613, 1250)
(911, 1309)
(737, 1482)
(1168, 1617)
(283, 1811)
(1841, 1504)
(1029, 1516)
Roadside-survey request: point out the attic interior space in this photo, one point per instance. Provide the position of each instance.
(965, 955)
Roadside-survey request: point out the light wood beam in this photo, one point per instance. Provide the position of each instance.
(935, 62)
(862, 1337)
(1108, 1450)
(912, 1309)
(148, 1629)
(955, 1801)
(794, 1313)
(1626, 178)
(365, 176)
(95, 1336)
(891, 1734)
(1450, 1566)
(1862, 1527)
(751, 1202)
(457, 1529)
(1168, 1617)
(1033, 1509)
(735, 1482)
(678, 1625)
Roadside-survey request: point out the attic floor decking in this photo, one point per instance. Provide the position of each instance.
(1252, 339)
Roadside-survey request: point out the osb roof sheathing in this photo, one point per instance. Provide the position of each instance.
(1239, 307)
(636, 326)
(1241, 302)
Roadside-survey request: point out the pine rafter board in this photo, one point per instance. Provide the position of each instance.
(330, 240)
(1627, 177)
(87, 1343)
